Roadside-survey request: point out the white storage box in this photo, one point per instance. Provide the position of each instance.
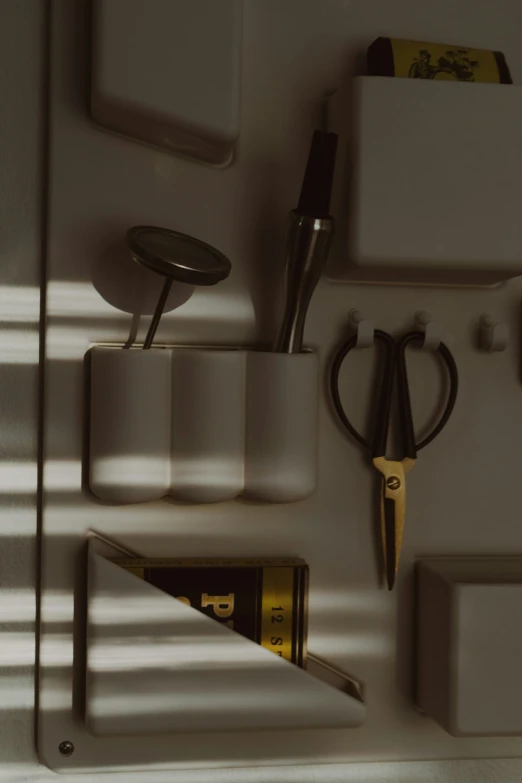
(429, 181)
(469, 653)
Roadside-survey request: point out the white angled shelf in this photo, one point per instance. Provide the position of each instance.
(193, 674)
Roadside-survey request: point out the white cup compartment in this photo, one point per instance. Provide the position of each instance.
(129, 454)
(207, 424)
(281, 430)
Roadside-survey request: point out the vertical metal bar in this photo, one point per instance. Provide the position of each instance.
(158, 312)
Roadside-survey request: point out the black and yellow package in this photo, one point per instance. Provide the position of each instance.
(421, 60)
(264, 599)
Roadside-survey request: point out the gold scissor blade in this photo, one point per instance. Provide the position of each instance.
(393, 507)
(389, 541)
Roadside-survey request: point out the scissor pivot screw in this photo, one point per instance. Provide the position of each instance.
(393, 482)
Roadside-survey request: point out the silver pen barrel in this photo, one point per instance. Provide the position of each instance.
(307, 249)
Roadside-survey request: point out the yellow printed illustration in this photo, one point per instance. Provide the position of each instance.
(438, 61)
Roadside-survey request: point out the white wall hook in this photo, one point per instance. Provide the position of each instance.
(433, 332)
(493, 335)
(363, 328)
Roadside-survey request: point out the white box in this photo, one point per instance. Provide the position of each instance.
(469, 644)
(429, 181)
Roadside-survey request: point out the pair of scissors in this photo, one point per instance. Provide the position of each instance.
(393, 496)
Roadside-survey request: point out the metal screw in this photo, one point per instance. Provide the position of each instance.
(66, 748)
(393, 482)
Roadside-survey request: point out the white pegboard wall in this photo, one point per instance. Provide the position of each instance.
(113, 184)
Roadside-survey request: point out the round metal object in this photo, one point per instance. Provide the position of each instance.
(66, 748)
(393, 482)
(177, 256)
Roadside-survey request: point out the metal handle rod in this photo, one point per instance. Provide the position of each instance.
(158, 312)
(307, 250)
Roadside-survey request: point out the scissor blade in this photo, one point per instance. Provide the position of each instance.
(390, 552)
(393, 505)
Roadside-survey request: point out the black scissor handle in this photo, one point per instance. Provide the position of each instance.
(451, 365)
(385, 396)
(403, 396)
(382, 421)
(394, 356)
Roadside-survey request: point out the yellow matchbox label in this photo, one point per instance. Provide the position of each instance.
(418, 60)
(277, 614)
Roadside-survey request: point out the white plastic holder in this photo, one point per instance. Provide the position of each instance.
(202, 425)
(493, 334)
(433, 331)
(363, 328)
